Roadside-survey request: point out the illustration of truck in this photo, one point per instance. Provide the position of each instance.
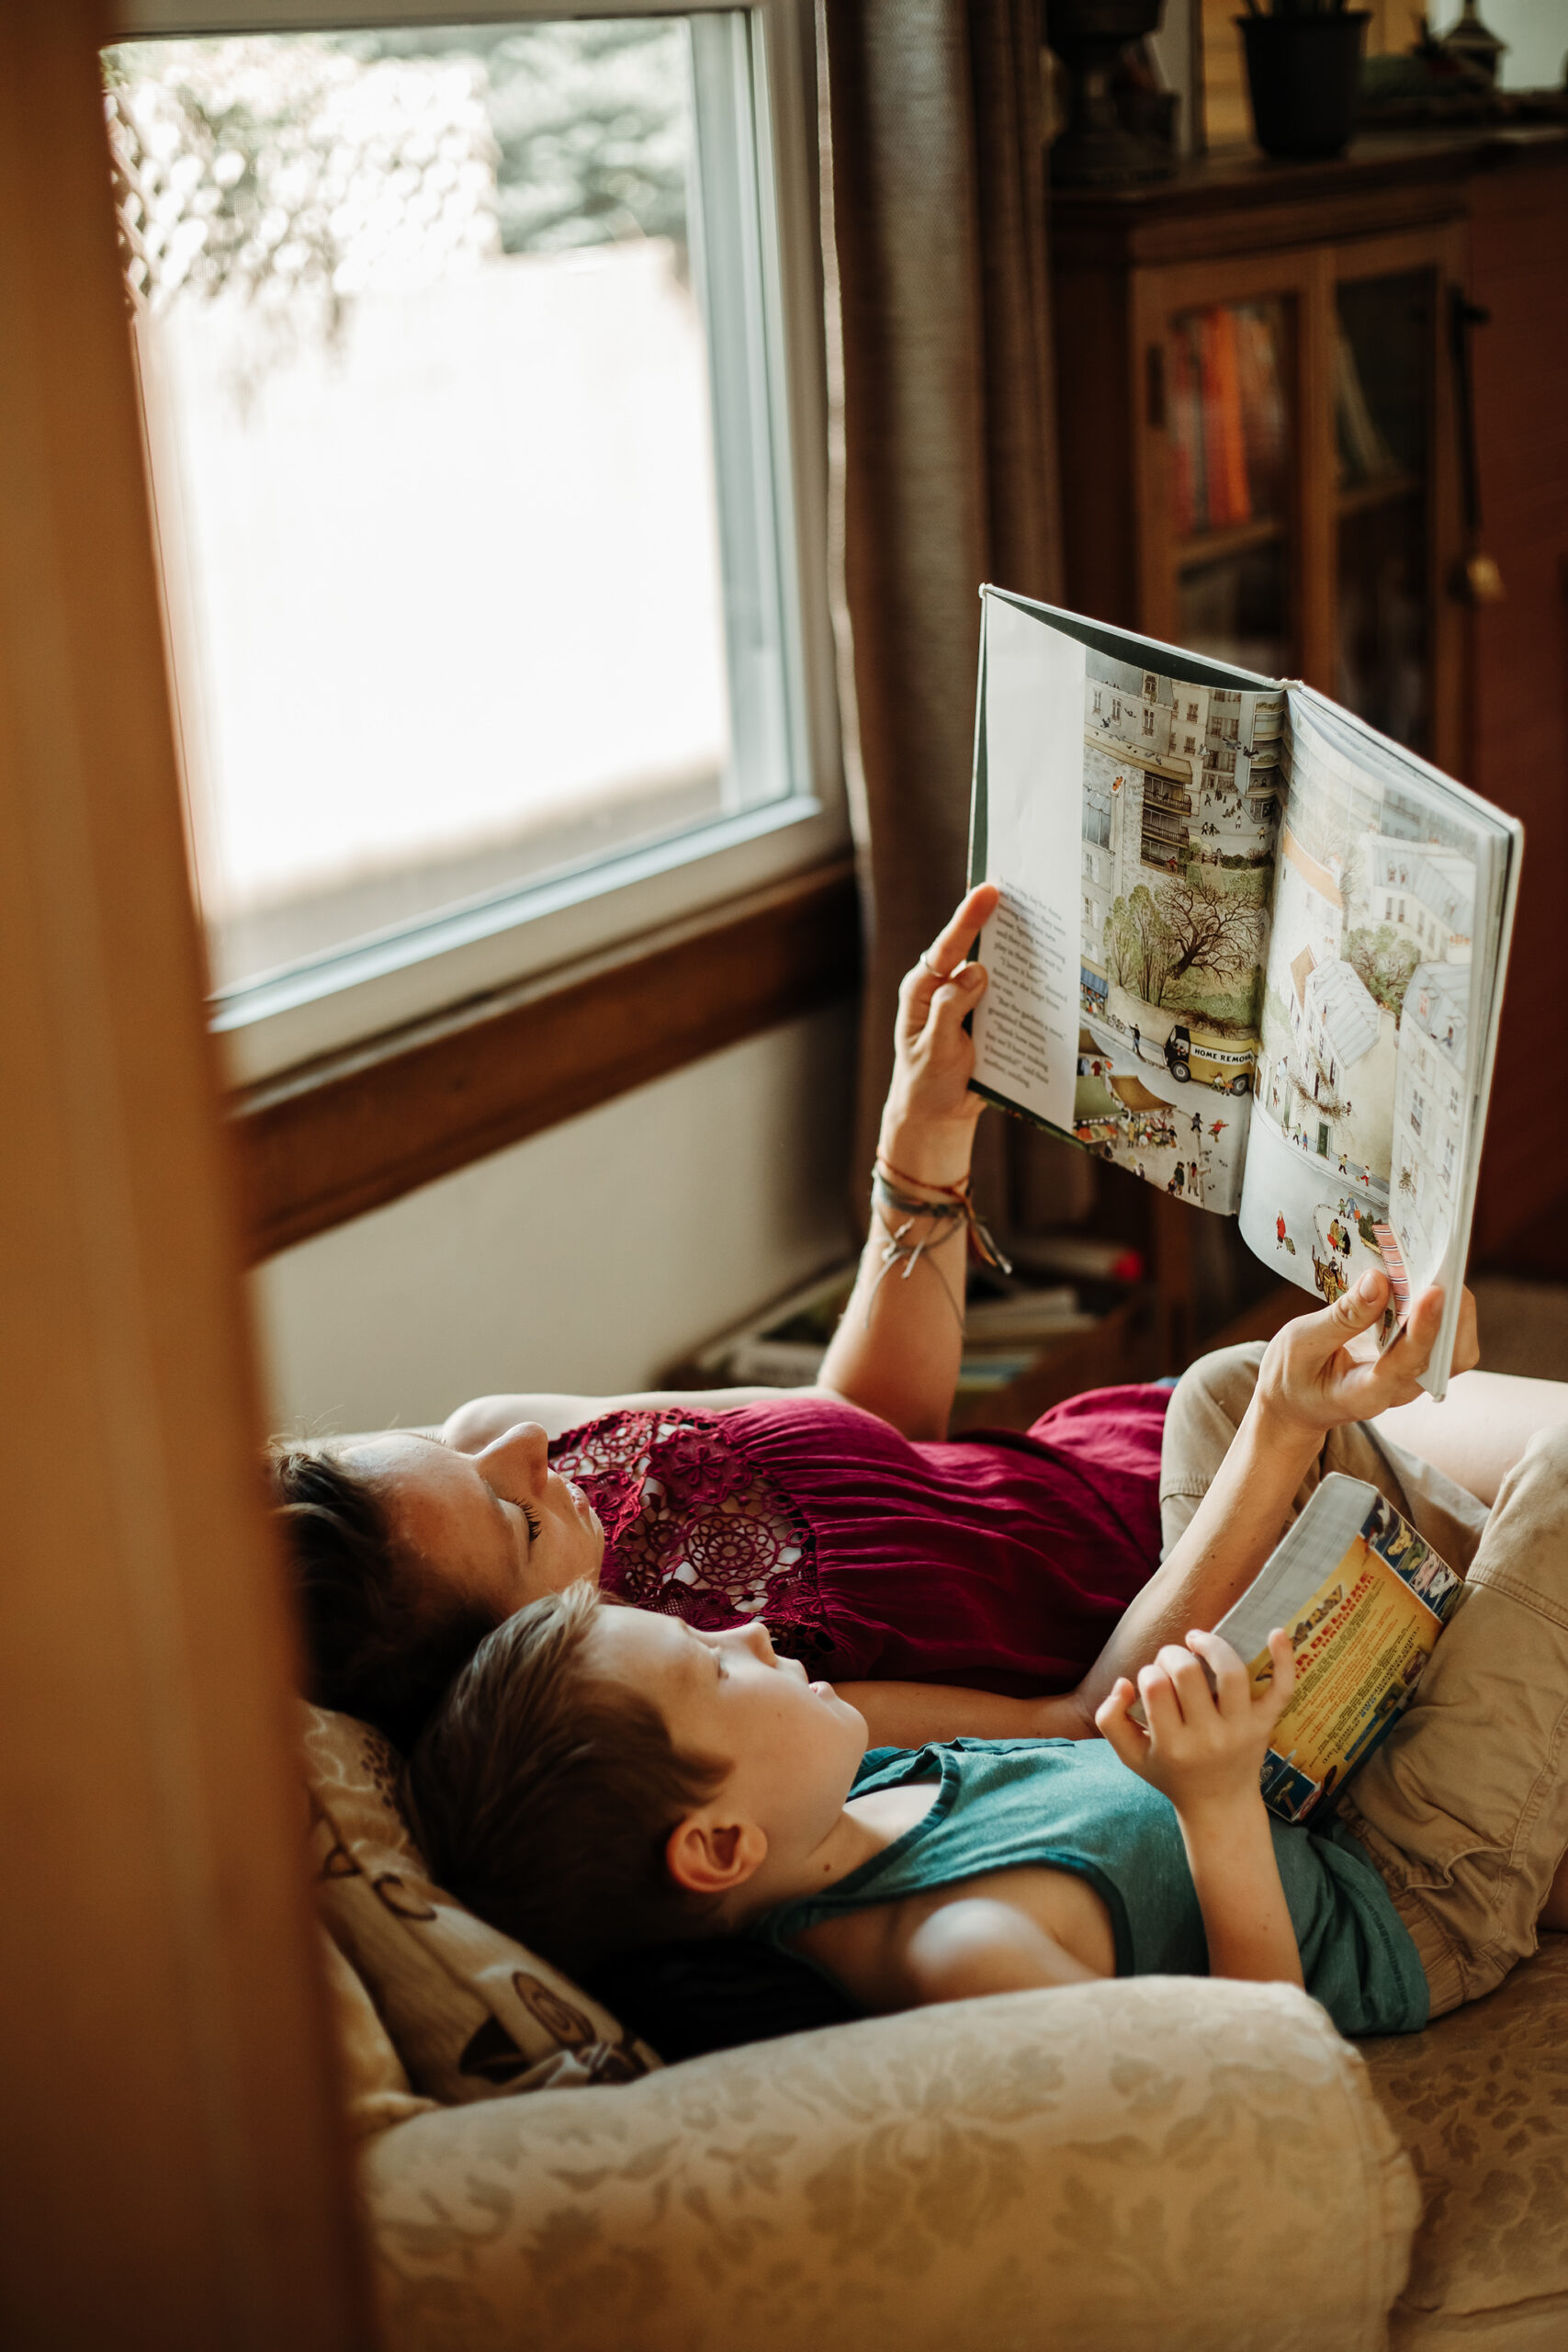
(1224, 1069)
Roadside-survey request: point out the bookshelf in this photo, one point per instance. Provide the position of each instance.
(1289, 452)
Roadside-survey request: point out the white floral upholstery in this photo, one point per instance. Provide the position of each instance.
(1171, 2166)
(1481, 2102)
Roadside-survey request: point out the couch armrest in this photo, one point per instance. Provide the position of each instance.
(1170, 2161)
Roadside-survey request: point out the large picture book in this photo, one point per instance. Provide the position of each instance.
(1248, 948)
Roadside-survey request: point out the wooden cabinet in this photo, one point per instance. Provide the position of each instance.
(1264, 457)
(1258, 417)
(1517, 679)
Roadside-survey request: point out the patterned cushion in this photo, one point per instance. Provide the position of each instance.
(1481, 2103)
(377, 2089)
(471, 2014)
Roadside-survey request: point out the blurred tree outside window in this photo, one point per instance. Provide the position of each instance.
(426, 329)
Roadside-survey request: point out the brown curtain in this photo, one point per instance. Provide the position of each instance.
(934, 198)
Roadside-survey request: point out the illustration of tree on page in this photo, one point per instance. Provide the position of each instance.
(1248, 948)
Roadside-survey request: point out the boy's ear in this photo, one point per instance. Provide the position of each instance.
(708, 1857)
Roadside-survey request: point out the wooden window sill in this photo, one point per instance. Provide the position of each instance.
(357, 1129)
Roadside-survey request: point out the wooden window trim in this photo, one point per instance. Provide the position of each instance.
(359, 1128)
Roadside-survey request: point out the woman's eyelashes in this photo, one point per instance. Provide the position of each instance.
(535, 1525)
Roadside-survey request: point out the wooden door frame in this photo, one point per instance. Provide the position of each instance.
(176, 2174)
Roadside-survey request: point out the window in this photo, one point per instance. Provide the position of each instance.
(477, 364)
(1097, 814)
(1148, 720)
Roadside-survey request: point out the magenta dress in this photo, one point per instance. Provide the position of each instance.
(994, 1560)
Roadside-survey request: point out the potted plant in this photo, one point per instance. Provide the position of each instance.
(1303, 59)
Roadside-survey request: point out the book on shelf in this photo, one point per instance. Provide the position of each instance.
(1225, 437)
(1262, 400)
(1248, 948)
(1227, 418)
(1364, 454)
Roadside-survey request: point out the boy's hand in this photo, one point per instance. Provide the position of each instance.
(1203, 1747)
(928, 1123)
(1316, 1373)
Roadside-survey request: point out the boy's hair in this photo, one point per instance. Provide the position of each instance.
(543, 1794)
(381, 1640)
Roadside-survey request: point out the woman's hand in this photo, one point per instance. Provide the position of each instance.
(1318, 1371)
(1203, 1744)
(928, 1122)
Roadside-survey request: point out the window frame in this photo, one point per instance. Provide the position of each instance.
(287, 1039)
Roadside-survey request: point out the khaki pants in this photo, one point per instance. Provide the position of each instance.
(1464, 1807)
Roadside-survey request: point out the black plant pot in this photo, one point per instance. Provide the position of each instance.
(1303, 73)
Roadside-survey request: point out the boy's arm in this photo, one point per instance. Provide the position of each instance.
(978, 1946)
(1203, 1749)
(955, 1952)
(1247, 1921)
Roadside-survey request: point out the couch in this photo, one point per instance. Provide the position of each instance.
(1170, 2162)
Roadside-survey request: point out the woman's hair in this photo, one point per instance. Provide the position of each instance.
(543, 1794)
(381, 1640)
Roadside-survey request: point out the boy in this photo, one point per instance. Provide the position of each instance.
(601, 1779)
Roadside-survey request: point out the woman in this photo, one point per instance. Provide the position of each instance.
(981, 1586)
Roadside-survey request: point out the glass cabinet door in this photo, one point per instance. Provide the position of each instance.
(1384, 353)
(1230, 466)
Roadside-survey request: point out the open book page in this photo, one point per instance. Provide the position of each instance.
(1374, 1012)
(1131, 819)
(1028, 784)
(1364, 1599)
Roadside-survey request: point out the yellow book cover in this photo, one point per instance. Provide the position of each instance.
(1364, 1598)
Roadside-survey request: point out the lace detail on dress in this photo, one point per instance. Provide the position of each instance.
(692, 1528)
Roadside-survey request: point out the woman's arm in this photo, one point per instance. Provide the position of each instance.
(916, 1714)
(1309, 1382)
(483, 1419)
(897, 1350)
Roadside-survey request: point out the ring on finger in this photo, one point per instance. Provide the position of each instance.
(926, 966)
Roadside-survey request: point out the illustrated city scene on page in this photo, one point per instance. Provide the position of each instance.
(1357, 1148)
(1182, 787)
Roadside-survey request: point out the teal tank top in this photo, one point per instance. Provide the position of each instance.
(1074, 1805)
